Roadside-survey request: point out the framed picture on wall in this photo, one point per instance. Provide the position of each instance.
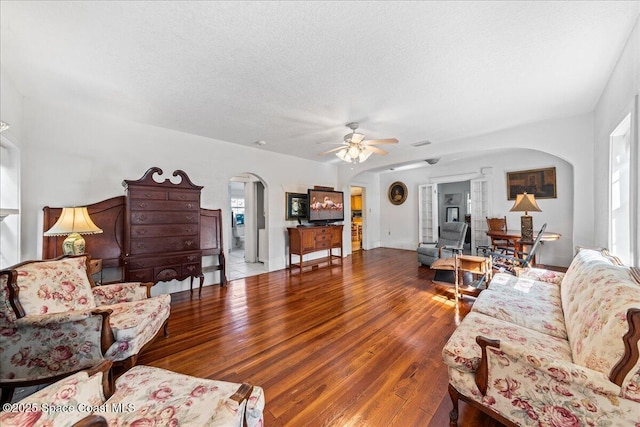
(453, 199)
(296, 207)
(539, 182)
(397, 193)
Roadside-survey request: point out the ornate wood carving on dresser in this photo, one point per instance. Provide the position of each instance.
(162, 229)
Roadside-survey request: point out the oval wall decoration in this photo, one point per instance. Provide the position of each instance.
(397, 193)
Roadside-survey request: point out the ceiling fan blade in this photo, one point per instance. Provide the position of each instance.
(381, 141)
(333, 150)
(375, 150)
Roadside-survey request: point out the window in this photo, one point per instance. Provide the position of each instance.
(9, 202)
(620, 191)
(237, 207)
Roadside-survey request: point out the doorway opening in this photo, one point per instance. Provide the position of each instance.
(357, 218)
(248, 246)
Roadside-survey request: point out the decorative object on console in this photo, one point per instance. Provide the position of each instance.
(355, 149)
(526, 203)
(296, 206)
(397, 193)
(73, 222)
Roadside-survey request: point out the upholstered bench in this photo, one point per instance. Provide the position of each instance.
(144, 395)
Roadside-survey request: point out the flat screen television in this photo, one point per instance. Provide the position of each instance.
(325, 206)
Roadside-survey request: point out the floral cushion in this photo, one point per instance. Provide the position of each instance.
(76, 392)
(462, 352)
(526, 288)
(136, 323)
(596, 295)
(55, 286)
(166, 398)
(119, 292)
(531, 390)
(541, 275)
(523, 310)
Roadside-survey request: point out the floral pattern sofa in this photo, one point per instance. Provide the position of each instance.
(552, 349)
(54, 321)
(144, 396)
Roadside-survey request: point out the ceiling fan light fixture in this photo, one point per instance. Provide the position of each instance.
(364, 155)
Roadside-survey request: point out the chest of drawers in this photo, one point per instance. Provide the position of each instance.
(162, 229)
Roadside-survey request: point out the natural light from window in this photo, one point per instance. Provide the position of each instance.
(620, 192)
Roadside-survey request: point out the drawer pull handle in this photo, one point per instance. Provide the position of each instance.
(141, 245)
(142, 232)
(139, 275)
(141, 264)
(148, 194)
(188, 230)
(189, 205)
(143, 204)
(191, 268)
(191, 258)
(189, 217)
(188, 242)
(142, 217)
(183, 196)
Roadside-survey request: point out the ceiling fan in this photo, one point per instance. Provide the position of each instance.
(355, 149)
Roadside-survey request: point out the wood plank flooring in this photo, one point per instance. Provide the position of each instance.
(357, 345)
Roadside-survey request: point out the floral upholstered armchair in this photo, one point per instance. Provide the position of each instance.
(54, 321)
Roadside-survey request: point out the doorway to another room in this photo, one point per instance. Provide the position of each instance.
(248, 244)
(357, 218)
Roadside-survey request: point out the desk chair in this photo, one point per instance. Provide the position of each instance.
(507, 260)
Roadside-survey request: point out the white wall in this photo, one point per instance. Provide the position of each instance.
(616, 101)
(568, 140)
(402, 221)
(74, 157)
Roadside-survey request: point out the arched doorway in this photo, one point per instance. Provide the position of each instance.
(248, 246)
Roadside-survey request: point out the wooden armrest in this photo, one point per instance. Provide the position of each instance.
(482, 373)
(92, 421)
(242, 393)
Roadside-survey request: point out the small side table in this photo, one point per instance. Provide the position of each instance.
(479, 266)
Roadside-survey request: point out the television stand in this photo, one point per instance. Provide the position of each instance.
(315, 238)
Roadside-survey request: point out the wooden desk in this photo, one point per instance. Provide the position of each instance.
(515, 237)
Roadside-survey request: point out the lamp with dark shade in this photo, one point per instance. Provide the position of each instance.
(526, 203)
(72, 223)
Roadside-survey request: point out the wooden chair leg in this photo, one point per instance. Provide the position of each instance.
(6, 394)
(453, 415)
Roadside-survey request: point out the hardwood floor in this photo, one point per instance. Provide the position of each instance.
(353, 346)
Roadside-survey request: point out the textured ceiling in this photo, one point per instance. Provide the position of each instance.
(293, 73)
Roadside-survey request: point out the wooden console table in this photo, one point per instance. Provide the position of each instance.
(309, 239)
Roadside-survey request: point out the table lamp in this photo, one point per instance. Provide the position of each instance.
(526, 203)
(73, 222)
